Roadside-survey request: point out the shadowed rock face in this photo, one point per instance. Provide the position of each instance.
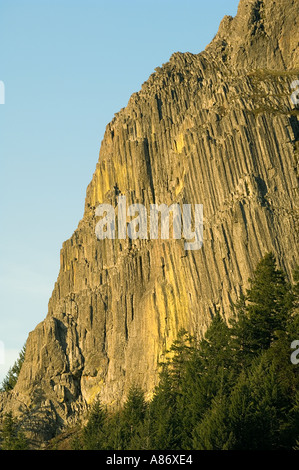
(217, 128)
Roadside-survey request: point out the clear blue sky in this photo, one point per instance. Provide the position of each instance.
(68, 66)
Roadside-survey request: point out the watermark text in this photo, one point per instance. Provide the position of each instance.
(295, 354)
(185, 223)
(295, 94)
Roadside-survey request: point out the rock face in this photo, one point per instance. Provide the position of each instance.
(216, 128)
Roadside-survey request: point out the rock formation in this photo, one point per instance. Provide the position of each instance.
(216, 128)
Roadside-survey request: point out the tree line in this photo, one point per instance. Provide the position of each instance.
(234, 389)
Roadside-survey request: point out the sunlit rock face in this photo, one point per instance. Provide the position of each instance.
(216, 128)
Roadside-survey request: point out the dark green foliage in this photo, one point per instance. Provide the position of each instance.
(12, 376)
(169, 421)
(121, 430)
(134, 409)
(94, 433)
(11, 437)
(131, 420)
(235, 388)
(212, 431)
(124, 436)
(165, 428)
(264, 310)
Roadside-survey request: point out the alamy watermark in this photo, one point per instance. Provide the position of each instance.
(295, 94)
(2, 92)
(139, 228)
(295, 354)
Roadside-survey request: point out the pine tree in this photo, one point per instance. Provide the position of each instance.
(94, 433)
(170, 407)
(257, 406)
(12, 376)
(179, 356)
(11, 437)
(258, 410)
(212, 431)
(165, 428)
(132, 418)
(215, 363)
(234, 389)
(264, 310)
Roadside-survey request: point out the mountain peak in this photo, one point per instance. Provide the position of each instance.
(263, 34)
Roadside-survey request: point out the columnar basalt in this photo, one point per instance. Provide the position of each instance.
(216, 128)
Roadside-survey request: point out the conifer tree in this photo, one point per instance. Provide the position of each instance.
(212, 432)
(165, 432)
(94, 433)
(236, 388)
(264, 310)
(132, 417)
(12, 376)
(11, 437)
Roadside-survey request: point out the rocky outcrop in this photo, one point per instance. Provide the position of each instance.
(263, 35)
(217, 128)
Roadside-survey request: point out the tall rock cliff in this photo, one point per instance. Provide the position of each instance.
(216, 128)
